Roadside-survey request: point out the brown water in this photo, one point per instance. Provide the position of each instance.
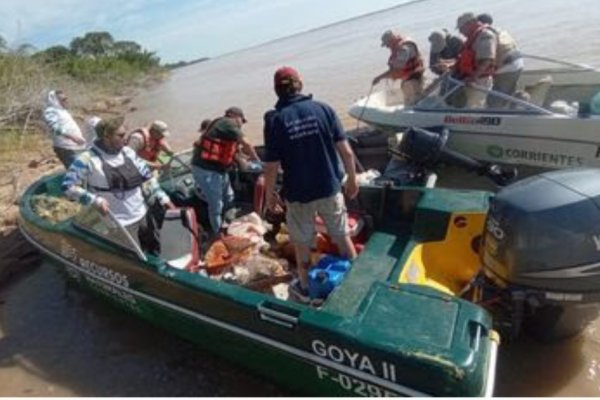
(55, 341)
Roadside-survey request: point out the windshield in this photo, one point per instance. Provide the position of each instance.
(446, 93)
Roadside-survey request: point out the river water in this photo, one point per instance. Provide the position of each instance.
(55, 341)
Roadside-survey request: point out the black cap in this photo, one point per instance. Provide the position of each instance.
(236, 111)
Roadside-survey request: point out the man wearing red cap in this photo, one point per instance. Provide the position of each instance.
(305, 139)
(405, 63)
(213, 156)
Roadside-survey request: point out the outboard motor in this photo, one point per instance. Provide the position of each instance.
(427, 148)
(541, 254)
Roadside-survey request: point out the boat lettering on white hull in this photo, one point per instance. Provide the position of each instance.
(360, 362)
(540, 157)
(466, 120)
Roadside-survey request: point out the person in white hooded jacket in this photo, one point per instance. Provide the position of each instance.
(67, 140)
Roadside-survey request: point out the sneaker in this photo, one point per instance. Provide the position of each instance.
(298, 293)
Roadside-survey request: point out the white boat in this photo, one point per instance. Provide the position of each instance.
(551, 129)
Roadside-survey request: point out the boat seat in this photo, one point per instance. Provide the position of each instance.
(179, 238)
(539, 90)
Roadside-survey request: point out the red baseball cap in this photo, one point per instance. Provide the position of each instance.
(286, 76)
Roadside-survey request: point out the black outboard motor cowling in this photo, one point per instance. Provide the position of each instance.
(427, 148)
(541, 245)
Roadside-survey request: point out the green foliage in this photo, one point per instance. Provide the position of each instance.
(92, 63)
(93, 44)
(96, 57)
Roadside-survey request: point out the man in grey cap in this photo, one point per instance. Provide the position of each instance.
(149, 141)
(405, 63)
(475, 64)
(444, 51)
(213, 157)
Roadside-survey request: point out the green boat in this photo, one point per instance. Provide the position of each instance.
(403, 322)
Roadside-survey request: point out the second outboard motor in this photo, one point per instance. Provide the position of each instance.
(427, 147)
(541, 254)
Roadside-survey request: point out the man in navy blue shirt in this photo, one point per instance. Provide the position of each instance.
(305, 138)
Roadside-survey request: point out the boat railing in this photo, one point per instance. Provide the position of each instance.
(456, 84)
(583, 67)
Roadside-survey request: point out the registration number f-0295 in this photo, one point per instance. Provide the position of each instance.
(354, 385)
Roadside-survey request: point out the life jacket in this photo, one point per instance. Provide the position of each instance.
(506, 51)
(151, 147)
(466, 63)
(216, 150)
(120, 179)
(414, 67)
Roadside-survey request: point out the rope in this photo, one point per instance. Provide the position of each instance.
(364, 106)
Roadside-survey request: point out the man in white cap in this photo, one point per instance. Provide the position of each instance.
(405, 63)
(149, 142)
(475, 65)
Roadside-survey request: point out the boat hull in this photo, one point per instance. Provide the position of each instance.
(532, 140)
(343, 351)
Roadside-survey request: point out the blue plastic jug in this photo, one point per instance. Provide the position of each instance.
(326, 275)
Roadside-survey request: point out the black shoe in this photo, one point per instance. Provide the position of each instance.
(298, 293)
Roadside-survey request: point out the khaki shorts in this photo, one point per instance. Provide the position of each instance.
(300, 218)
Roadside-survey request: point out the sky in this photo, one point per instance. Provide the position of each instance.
(174, 29)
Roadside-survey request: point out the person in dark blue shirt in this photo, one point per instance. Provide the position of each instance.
(305, 139)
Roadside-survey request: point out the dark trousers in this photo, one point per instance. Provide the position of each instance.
(147, 230)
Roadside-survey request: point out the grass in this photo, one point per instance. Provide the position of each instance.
(18, 147)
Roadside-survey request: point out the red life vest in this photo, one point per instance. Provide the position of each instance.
(466, 64)
(151, 147)
(414, 66)
(216, 150)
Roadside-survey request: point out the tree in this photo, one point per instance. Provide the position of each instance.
(126, 47)
(3, 45)
(25, 49)
(93, 44)
(53, 54)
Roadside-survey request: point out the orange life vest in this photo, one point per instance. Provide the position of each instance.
(216, 150)
(151, 147)
(466, 63)
(414, 66)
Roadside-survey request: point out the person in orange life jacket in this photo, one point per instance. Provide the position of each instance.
(475, 64)
(305, 138)
(149, 142)
(213, 157)
(509, 63)
(111, 177)
(405, 63)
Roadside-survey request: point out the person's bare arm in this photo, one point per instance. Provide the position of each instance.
(249, 149)
(272, 199)
(347, 155)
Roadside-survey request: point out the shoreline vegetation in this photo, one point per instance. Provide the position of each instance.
(99, 74)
